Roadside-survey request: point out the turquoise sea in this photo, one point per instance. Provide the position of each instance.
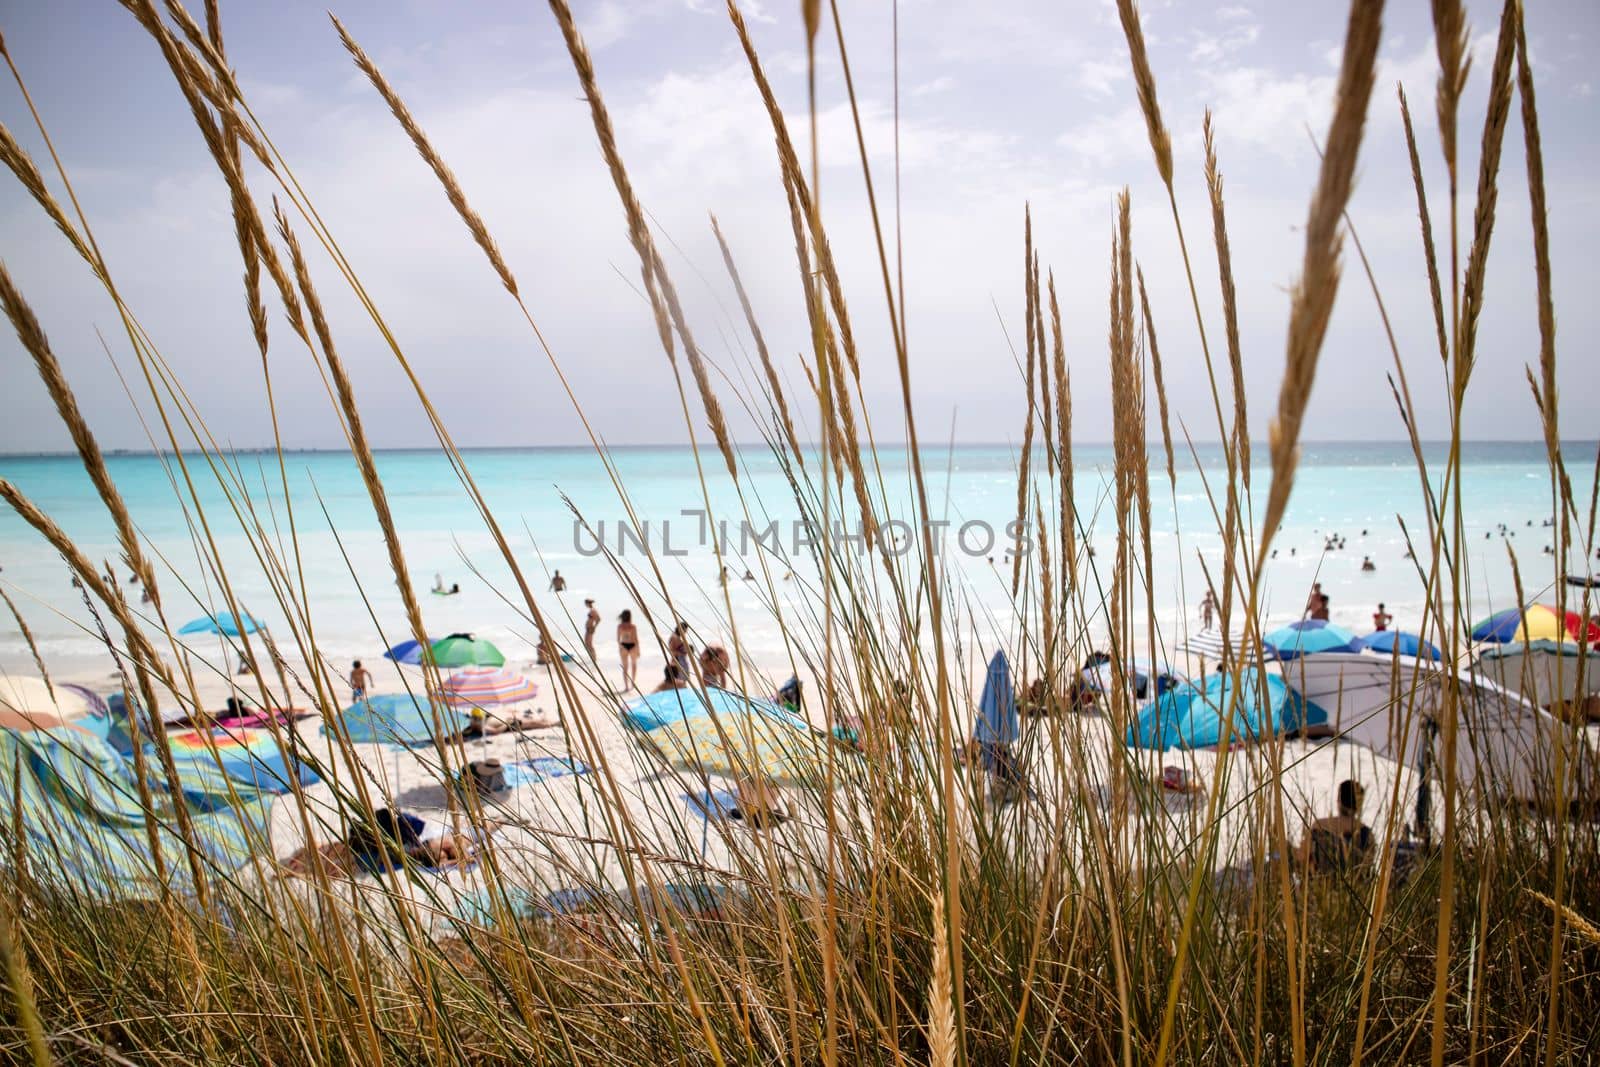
(1361, 492)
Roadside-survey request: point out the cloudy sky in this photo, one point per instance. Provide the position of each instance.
(1001, 104)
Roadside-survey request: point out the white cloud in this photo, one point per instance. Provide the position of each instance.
(1259, 106)
(752, 10)
(937, 85)
(1214, 47)
(1099, 76)
(604, 24)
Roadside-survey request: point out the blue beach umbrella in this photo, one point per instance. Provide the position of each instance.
(1391, 641)
(398, 719)
(1310, 636)
(407, 652)
(223, 623)
(673, 706)
(997, 708)
(1191, 716)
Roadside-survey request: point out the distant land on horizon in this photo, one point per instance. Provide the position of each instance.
(1570, 442)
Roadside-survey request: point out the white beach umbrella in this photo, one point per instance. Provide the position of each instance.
(25, 694)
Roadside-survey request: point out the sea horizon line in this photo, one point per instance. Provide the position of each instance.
(67, 453)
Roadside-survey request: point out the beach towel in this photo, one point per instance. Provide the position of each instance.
(243, 717)
(76, 802)
(542, 769)
(508, 776)
(712, 803)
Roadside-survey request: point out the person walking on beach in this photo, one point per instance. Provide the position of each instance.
(360, 682)
(628, 648)
(678, 647)
(558, 584)
(590, 624)
(1314, 601)
(1381, 619)
(1208, 608)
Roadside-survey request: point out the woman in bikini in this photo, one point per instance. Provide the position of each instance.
(628, 646)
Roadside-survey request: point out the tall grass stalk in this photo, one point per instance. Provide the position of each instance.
(914, 907)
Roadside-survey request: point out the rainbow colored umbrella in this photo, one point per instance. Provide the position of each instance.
(251, 757)
(482, 687)
(1537, 622)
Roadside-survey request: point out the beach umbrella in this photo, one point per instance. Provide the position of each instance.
(247, 757)
(465, 650)
(1391, 641)
(1536, 622)
(756, 739)
(78, 812)
(25, 696)
(1310, 636)
(672, 706)
(408, 651)
(1191, 716)
(223, 623)
(1207, 644)
(1544, 671)
(997, 709)
(398, 719)
(482, 687)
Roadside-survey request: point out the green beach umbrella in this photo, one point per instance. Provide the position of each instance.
(465, 650)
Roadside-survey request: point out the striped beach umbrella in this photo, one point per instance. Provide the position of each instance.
(1536, 622)
(483, 687)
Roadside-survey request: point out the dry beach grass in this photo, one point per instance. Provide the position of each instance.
(907, 912)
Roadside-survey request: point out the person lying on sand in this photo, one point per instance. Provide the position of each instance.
(427, 842)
